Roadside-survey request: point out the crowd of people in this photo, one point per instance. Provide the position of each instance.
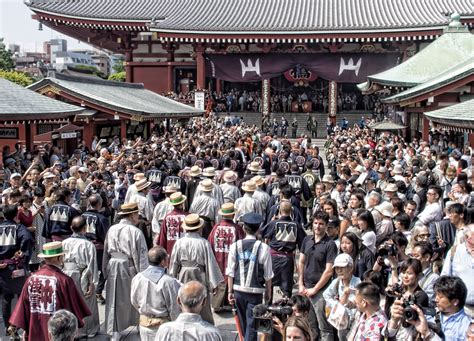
(375, 241)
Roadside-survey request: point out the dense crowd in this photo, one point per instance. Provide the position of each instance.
(375, 241)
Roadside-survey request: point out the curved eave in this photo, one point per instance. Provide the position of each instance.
(433, 90)
(136, 114)
(458, 125)
(243, 36)
(58, 116)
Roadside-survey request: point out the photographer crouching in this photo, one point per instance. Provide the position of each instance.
(451, 323)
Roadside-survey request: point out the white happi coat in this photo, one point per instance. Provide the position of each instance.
(262, 198)
(131, 191)
(80, 263)
(125, 255)
(155, 298)
(161, 210)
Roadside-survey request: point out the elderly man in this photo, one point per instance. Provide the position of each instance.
(206, 206)
(247, 203)
(172, 225)
(217, 193)
(80, 264)
(125, 255)
(230, 191)
(192, 259)
(190, 325)
(222, 236)
(45, 292)
(62, 326)
(154, 294)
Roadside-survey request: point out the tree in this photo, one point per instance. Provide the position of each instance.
(6, 60)
(16, 77)
(119, 77)
(119, 66)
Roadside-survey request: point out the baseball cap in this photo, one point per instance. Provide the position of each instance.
(15, 175)
(343, 260)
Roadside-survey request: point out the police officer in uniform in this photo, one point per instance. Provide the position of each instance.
(249, 277)
(15, 242)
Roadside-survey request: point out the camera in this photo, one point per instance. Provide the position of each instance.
(409, 314)
(387, 250)
(263, 315)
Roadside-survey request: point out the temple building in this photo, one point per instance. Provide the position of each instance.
(325, 46)
(433, 80)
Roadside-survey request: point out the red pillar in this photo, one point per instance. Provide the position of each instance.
(201, 67)
(170, 78)
(471, 140)
(218, 86)
(123, 128)
(88, 133)
(128, 67)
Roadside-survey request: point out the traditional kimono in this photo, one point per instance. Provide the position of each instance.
(206, 206)
(262, 198)
(80, 263)
(131, 191)
(246, 204)
(171, 229)
(192, 260)
(45, 292)
(189, 327)
(145, 205)
(231, 192)
(215, 193)
(154, 296)
(125, 255)
(161, 210)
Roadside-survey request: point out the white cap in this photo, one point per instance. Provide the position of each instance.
(15, 175)
(343, 260)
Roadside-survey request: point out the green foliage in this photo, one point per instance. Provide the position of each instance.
(6, 60)
(119, 77)
(119, 66)
(16, 77)
(90, 69)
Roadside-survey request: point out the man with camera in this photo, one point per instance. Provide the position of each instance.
(249, 277)
(452, 324)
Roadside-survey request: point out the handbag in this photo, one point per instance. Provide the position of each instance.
(339, 317)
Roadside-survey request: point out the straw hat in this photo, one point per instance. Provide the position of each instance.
(254, 166)
(177, 198)
(53, 249)
(169, 189)
(387, 211)
(209, 172)
(230, 176)
(206, 185)
(328, 178)
(192, 222)
(126, 209)
(195, 171)
(391, 188)
(139, 176)
(142, 184)
(249, 186)
(227, 209)
(397, 170)
(259, 180)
